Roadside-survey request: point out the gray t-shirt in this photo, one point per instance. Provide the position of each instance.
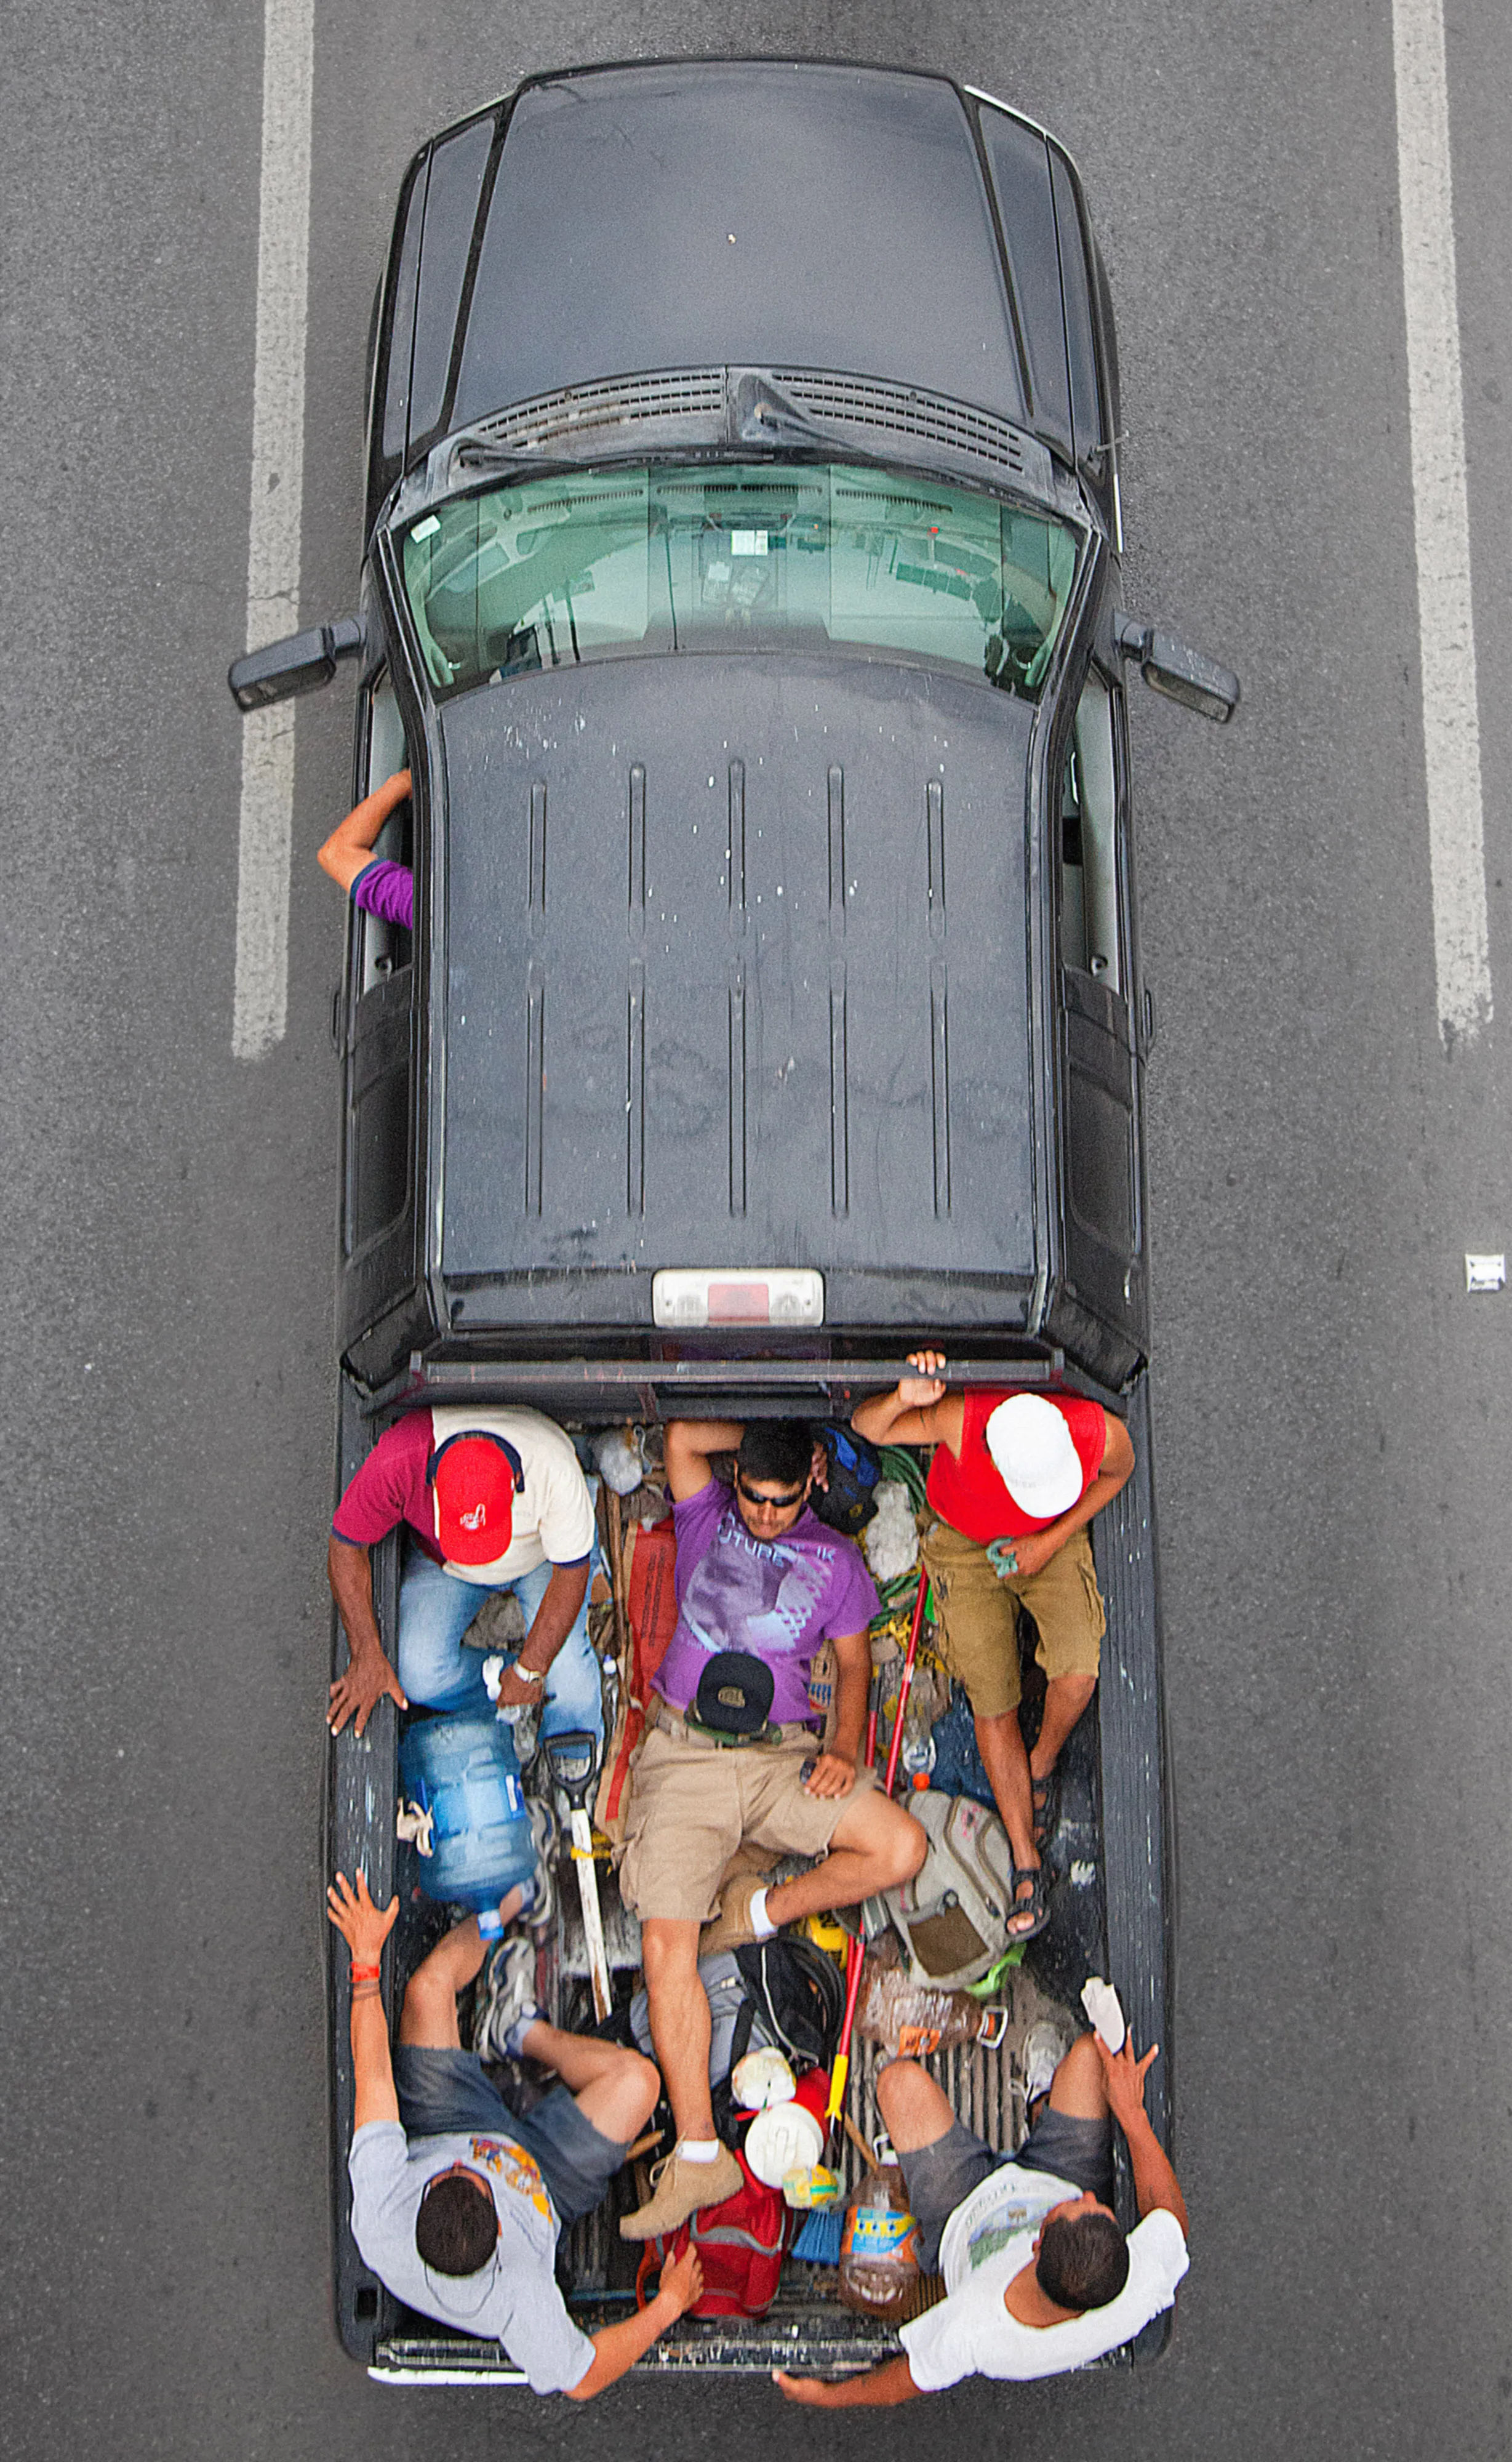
(514, 2300)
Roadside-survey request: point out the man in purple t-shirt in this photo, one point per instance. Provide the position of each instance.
(383, 888)
(731, 1758)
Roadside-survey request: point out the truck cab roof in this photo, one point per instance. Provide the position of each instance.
(766, 917)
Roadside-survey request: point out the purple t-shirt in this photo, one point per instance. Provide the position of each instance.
(777, 1598)
(387, 890)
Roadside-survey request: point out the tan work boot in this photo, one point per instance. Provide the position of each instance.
(732, 1927)
(680, 2188)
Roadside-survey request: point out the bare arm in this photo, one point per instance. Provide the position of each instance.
(349, 849)
(917, 1412)
(1034, 1552)
(365, 1928)
(1156, 2184)
(690, 1442)
(554, 1619)
(367, 1674)
(617, 2347)
(833, 1773)
(889, 2384)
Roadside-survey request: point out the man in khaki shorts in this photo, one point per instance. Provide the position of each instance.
(1014, 1481)
(731, 1760)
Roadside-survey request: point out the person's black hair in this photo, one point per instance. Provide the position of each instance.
(1083, 2261)
(777, 1449)
(457, 2226)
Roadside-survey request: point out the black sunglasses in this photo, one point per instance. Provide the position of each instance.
(777, 1503)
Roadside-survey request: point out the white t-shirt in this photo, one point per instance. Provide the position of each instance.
(988, 2241)
(515, 2300)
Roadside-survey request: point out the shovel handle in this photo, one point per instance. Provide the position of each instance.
(914, 1629)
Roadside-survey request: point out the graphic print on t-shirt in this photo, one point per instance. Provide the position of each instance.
(752, 1594)
(515, 2169)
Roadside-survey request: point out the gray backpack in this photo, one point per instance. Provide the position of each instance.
(952, 1917)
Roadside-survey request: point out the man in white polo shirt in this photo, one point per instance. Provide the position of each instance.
(1038, 2274)
(492, 1499)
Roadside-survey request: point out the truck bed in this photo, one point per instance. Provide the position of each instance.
(1109, 1905)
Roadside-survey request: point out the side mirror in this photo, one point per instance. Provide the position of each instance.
(1168, 667)
(301, 664)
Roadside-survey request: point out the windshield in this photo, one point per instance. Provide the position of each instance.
(550, 572)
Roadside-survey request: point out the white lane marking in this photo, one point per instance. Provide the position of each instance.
(1442, 515)
(272, 558)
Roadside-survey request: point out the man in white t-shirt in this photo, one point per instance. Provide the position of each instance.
(492, 1497)
(1038, 2274)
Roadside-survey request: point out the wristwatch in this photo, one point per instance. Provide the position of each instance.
(529, 1675)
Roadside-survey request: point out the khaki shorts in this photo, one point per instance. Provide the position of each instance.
(694, 1805)
(977, 1617)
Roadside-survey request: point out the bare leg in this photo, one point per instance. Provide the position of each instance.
(615, 2089)
(916, 2112)
(999, 1741)
(876, 1846)
(429, 2014)
(1066, 1697)
(1077, 2088)
(681, 2024)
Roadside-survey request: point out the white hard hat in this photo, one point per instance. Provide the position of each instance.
(1032, 1451)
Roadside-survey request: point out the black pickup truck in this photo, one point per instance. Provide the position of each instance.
(742, 589)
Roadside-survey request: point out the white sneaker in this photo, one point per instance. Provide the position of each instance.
(1045, 2047)
(507, 2007)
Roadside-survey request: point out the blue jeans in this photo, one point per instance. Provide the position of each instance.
(435, 1610)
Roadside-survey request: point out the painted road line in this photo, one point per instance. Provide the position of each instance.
(272, 557)
(1441, 519)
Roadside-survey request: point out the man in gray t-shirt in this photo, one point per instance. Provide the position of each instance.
(457, 2200)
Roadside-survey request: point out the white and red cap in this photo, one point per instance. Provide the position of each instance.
(474, 1478)
(1033, 1455)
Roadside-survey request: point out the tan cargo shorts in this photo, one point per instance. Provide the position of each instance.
(977, 1617)
(694, 1805)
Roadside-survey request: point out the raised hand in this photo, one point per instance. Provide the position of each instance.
(363, 1926)
(1123, 2079)
(918, 1392)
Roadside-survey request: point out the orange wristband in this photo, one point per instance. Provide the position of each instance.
(364, 1974)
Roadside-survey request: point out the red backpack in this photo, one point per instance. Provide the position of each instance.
(739, 2245)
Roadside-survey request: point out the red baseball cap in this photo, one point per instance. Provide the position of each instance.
(475, 1477)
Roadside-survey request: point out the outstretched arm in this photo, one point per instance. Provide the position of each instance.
(889, 2384)
(349, 849)
(617, 2347)
(1154, 2182)
(365, 1928)
(690, 1442)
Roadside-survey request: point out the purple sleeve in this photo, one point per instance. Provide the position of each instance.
(853, 1600)
(695, 1519)
(386, 889)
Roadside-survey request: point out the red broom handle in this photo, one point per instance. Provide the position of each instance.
(854, 1960)
(914, 1630)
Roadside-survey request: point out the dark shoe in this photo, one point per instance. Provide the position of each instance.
(1037, 1880)
(1047, 1793)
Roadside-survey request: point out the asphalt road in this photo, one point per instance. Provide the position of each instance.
(1335, 1552)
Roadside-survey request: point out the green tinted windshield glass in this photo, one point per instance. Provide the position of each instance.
(607, 564)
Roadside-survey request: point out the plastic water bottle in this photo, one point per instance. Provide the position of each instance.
(463, 1772)
(878, 2247)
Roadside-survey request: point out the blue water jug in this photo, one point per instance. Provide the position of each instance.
(463, 1772)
